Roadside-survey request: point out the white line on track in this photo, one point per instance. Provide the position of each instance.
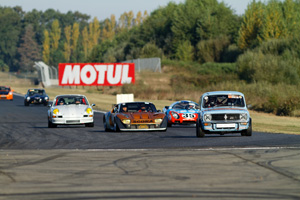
(178, 149)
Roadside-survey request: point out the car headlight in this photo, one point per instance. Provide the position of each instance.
(28, 98)
(158, 121)
(89, 111)
(207, 117)
(46, 98)
(55, 111)
(126, 121)
(175, 115)
(243, 116)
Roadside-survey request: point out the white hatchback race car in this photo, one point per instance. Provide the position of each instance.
(70, 110)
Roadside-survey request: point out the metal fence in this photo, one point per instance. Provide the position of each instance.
(152, 64)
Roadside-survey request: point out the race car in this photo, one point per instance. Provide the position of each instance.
(223, 112)
(6, 93)
(182, 112)
(36, 96)
(70, 110)
(135, 116)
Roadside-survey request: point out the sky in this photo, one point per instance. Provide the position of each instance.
(102, 9)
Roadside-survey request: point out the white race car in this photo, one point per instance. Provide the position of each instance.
(70, 110)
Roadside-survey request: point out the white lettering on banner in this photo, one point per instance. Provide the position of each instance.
(71, 75)
(125, 78)
(110, 74)
(84, 78)
(101, 69)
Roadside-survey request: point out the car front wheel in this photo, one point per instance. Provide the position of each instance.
(51, 125)
(199, 131)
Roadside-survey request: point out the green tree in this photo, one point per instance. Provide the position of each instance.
(55, 35)
(185, 51)
(29, 50)
(10, 30)
(75, 38)
(46, 47)
(251, 25)
(273, 24)
(67, 43)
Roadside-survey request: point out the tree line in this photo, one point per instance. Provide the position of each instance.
(197, 30)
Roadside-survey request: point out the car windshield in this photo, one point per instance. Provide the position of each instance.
(223, 101)
(4, 88)
(71, 100)
(137, 107)
(36, 91)
(185, 106)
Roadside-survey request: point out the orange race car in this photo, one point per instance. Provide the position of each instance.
(6, 93)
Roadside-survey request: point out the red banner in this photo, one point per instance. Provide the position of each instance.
(107, 74)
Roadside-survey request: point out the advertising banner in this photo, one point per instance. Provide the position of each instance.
(88, 74)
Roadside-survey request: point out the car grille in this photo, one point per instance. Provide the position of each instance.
(73, 121)
(219, 117)
(143, 121)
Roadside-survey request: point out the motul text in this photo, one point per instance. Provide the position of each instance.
(95, 74)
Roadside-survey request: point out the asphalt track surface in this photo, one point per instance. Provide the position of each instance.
(75, 162)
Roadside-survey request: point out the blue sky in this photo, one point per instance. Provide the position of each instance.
(104, 8)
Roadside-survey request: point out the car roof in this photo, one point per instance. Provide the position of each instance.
(36, 89)
(70, 95)
(223, 92)
(145, 102)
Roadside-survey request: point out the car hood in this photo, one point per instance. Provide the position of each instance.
(37, 95)
(141, 115)
(185, 111)
(71, 109)
(224, 110)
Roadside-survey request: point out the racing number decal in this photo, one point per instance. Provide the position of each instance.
(188, 115)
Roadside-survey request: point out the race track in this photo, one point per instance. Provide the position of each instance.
(75, 162)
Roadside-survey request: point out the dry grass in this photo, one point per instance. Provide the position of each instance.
(262, 122)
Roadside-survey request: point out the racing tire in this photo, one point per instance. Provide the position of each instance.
(45, 104)
(116, 127)
(169, 125)
(248, 132)
(51, 125)
(199, 131)
(89, 124)
(105, 125)
(26, 104)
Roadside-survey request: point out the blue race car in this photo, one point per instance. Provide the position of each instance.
(36, 96)
(182, 112)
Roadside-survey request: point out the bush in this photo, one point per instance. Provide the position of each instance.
(185, 51)
(256, 67)
(212, 50)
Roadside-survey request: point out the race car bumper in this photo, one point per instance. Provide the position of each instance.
(72, 120)
(225, 127)
(6, 97)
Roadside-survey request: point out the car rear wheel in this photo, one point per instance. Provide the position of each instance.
(199, 131)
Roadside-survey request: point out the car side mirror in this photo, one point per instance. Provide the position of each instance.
(93, 104)
(249, 106)
(49, 105)
(166, 107)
